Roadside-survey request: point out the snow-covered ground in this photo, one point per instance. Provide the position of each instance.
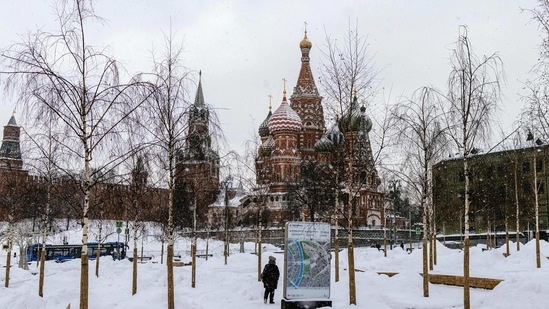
(235, 285)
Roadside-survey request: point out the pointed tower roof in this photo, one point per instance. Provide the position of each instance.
(12, 122)
(199, 98)
(305, 81)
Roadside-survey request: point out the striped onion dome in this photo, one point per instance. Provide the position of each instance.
(324, 145)
(267, 147)
(284, 119)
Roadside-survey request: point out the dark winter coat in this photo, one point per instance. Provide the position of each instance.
(270, 275)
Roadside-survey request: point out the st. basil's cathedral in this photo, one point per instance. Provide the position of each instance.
(295, 135)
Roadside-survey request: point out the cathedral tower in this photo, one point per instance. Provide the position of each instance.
(307, 103)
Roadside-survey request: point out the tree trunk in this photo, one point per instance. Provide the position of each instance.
(351, 261)
(44, 235)
(506, 237)
(8, 265)
(241, 242)
(517, 207)
(431, 256)
(434, 234)
(385, 240)
(162, 253)
(42, 270)
(425, 245)
(258, 251)
(193, 263)
(84, 269)
(98, 253)
(538, 257)
(488, 241)
(466, 288)
(42, 263)
(84, 281)
(170, 231)
(134, 262)
(336, 253)
(193, 249)
(207, 244)
(169, 263)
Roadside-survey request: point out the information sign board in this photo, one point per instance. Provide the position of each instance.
(307, 260)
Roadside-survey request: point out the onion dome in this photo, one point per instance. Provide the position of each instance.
(365, 122)
(264, 127)
(267, 147)
(284, 118)
(351, 120)
(324, 145)
(305, 43)
(335, 135)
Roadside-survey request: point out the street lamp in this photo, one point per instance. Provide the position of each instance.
(536, 142)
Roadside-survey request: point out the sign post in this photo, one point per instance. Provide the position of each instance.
(307, 265)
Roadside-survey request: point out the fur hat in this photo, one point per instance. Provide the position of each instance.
(272, 258)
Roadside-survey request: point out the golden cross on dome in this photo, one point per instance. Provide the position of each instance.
(270, 102)
(284, 80)
(305, 27)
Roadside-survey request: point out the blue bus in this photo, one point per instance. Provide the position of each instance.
(62, 253)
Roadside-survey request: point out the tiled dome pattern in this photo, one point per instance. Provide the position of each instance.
(284, 119)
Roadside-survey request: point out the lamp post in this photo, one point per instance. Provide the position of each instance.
(536, 142)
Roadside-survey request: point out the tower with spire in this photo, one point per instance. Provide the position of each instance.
(307, 103)
(197, 170)
(10, 151)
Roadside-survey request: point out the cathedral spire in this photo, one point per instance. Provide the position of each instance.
(199, 99)
(284, 92)
(12, 121)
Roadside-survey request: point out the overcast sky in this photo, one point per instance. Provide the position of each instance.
(246, 48)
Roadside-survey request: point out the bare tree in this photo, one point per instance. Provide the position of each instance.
(166, 125)
(48, 155)
(473, 95)
(62, 73)
(314, 192)
(422, 137)
(347, 68)
(535, 115)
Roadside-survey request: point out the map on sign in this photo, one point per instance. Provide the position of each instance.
(307, 260)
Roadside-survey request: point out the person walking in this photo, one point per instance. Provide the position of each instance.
(269, 277)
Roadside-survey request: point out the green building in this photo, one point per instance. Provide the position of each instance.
(501, 183)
